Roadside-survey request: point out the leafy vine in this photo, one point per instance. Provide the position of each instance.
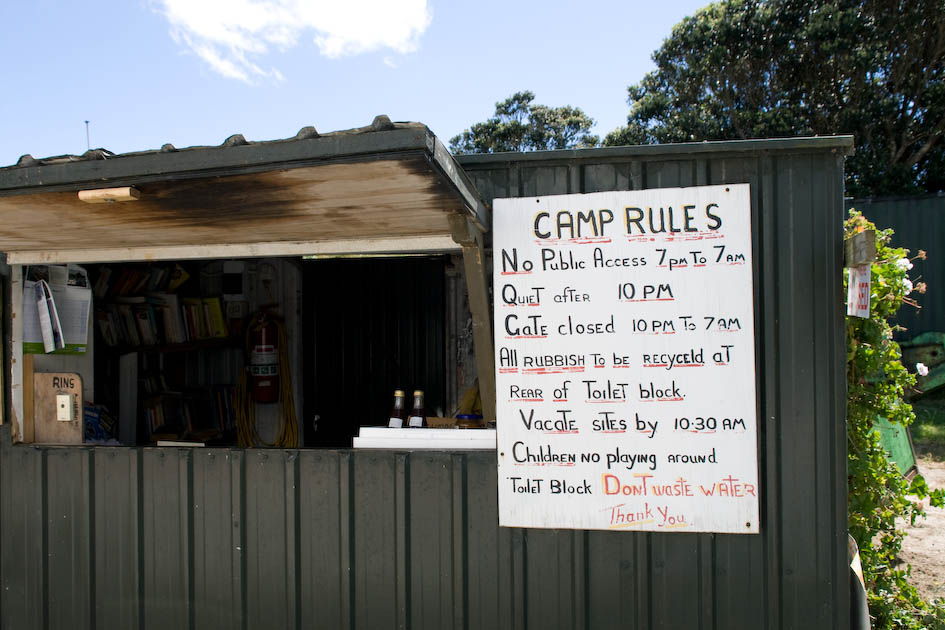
(878, 494)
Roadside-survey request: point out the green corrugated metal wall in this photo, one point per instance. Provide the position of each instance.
(216, 538)
(792, 575)
(919, 223)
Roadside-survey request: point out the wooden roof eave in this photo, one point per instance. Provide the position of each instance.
(375, 192)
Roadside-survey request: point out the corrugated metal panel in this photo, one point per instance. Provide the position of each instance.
(391, 334)
(919, 223)
(326, 555)
(218, 539)
(260, 539)
(166, 537)
(117, 540)
(379, 543)
(24, 541)
(271, 533)
(69, 523)
(793, 574)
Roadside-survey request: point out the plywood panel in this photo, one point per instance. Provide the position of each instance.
(47, 428)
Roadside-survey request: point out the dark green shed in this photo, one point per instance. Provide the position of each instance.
(145, 537)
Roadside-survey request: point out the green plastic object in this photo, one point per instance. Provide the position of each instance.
(897, 443)
(927, 348)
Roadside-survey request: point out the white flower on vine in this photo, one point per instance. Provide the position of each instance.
(908, 284)
(904, 263)
(922, 369)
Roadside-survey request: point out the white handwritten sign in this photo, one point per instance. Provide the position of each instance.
(625, 361)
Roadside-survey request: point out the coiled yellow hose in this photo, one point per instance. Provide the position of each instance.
(246, 431)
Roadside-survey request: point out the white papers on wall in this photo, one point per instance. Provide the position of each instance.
(59, 321)
(49, 326)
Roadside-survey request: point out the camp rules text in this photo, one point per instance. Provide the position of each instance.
(596, 223)
(625, 360)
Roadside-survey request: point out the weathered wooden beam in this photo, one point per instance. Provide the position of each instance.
(479, 214)
(408, 244)
(468, 236)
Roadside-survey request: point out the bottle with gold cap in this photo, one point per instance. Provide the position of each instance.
(398, 411)
(417, 418)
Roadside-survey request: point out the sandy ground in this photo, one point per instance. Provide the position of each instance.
(924, 546)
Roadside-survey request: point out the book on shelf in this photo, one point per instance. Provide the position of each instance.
(100, 288)
(130, 280)
(181, 415)
(158, 273)
(177, 276)
(194, 318)
(224, 406)
(160, 318)
(216, 323)
(129, 325)
(99, 425)
(154, 383)
(107, 326)
(171, 318)
(147, 329)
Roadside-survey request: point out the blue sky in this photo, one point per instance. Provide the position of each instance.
(192, 72)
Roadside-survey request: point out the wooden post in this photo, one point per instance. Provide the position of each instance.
(859, 249)
(469, 237)
(28, 408)
(3, 344)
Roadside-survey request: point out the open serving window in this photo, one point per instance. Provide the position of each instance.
(250, 294)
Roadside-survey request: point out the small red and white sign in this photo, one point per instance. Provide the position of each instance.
(858, 291)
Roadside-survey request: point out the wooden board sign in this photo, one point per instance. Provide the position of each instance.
(625, 361)
(57, 408)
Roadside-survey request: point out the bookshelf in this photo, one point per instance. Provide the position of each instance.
(172, 352)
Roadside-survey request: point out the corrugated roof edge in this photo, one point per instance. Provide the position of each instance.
(99, 167)
(844, 144)
(888, 198)
(236, 155)
(380, 123)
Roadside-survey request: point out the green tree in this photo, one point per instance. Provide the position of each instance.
(520, 125)
(767, 68)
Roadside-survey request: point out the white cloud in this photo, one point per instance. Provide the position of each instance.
(228, 34)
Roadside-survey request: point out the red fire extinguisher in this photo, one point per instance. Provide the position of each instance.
(264, 361)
